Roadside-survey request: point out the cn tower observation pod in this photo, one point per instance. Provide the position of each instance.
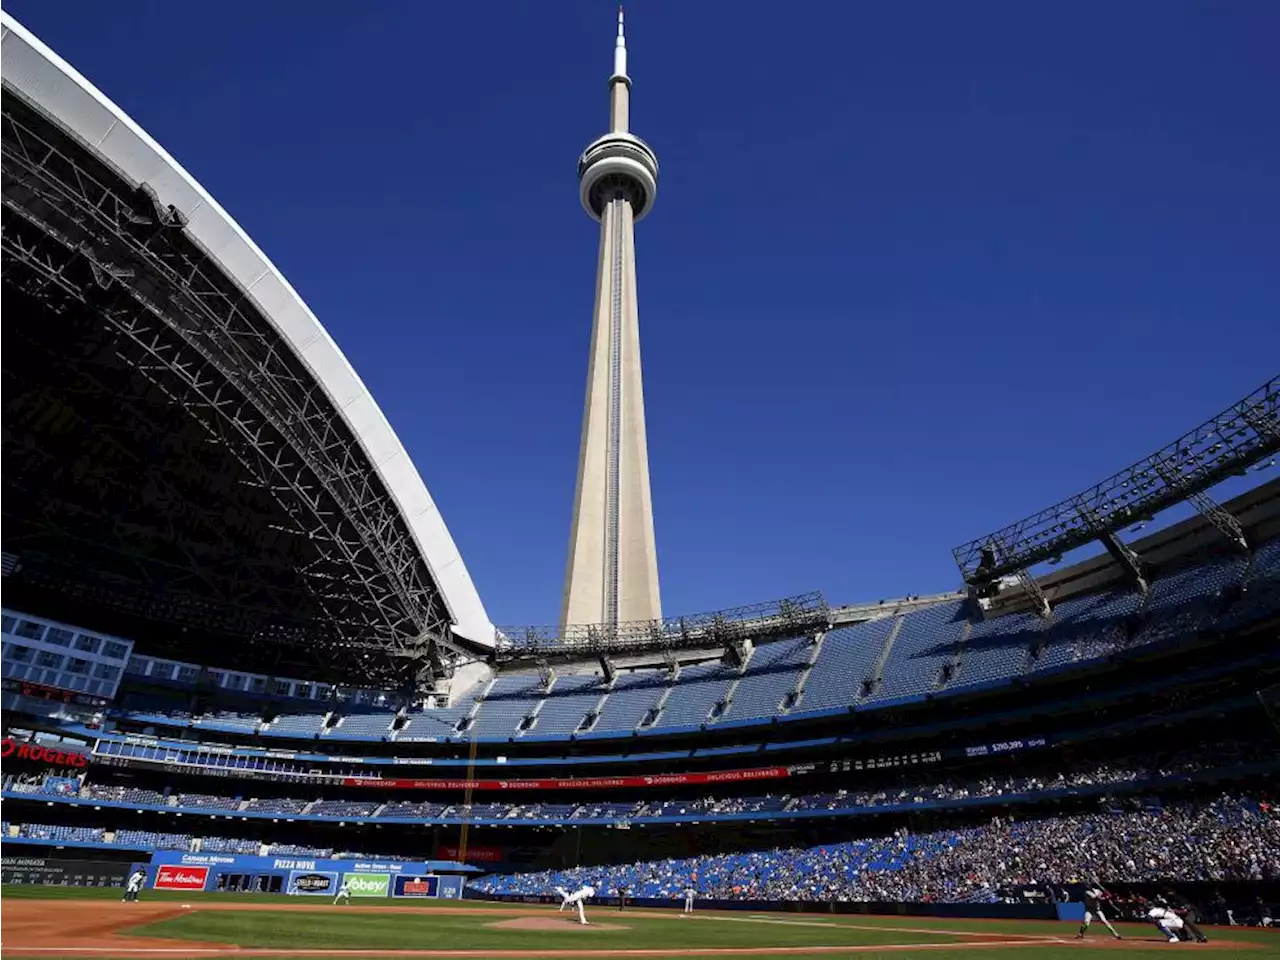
(359, 546)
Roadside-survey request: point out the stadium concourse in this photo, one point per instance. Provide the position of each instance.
(241, 651)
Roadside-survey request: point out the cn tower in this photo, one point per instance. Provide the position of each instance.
(612, 573)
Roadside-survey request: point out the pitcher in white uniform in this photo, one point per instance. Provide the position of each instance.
(576, 899)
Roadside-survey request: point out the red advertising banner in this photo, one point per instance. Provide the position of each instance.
(24, 750)
(173, 877)
(583, 783)
(474, 854)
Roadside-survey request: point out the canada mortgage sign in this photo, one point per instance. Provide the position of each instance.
(367, 884)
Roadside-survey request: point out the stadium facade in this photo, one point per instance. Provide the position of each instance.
(217, 701)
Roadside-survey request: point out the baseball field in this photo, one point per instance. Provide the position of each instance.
(79, 922)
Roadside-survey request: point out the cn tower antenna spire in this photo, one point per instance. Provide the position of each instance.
(620, 52)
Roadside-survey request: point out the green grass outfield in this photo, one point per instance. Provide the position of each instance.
(367, 926)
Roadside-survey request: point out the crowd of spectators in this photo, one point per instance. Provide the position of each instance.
(1230, 838)
(926, 790)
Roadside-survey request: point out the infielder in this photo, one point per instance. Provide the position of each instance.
(344, 894)
(133, 886)
(1093, 898)
(576, 899)
(689, 894)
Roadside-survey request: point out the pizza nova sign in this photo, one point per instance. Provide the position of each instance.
(25, 750)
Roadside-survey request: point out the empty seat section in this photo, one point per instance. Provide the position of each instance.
(699, 689)
(562, 711)
(847, 657)
(510, 700)
(925, 641)
(772, 673)
(633, 695)
(998, 649)
(373, 725)
(296, 724)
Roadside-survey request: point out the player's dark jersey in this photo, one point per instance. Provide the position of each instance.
(1093, 901)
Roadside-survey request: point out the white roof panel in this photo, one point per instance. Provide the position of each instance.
(46, 79)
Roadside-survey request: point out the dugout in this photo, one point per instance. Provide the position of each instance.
(304, 876)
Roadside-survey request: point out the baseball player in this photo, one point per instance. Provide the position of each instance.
(586, 892)
(344, 893)
(133, 886)
(1170, 923)
(1093, 897)
(689, 894)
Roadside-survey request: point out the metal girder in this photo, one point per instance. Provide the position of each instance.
(1207, 507)
(1227, 444)
(1120, 552)
(84, 238)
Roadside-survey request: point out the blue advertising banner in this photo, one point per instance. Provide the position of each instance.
(313, 883)
(428, 886)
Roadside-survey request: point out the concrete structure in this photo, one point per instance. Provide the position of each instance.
(612, 573)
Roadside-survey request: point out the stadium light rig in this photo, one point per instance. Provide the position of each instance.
(774, 620)
(1243, 435)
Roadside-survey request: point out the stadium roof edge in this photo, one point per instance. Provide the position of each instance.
(34, 70)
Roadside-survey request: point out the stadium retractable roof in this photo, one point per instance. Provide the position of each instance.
(184, 443)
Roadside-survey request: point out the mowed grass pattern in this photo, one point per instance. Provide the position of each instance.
(368, 926)
(368, 929)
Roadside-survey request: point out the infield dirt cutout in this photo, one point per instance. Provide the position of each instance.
(544, 924)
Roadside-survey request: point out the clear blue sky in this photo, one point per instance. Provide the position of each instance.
(916, 269)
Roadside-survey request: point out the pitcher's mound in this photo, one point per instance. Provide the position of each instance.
(551, 923)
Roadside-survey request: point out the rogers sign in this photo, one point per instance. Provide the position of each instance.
(585, 783)
(24, 750)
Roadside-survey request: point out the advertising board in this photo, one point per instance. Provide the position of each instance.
(39, 753)
(175, 877)
(428, 886)
(64, 873)
(312, 883)
(367, 884)
(584, 783)
(474, 854)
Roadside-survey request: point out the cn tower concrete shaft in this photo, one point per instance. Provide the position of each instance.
(612, 571)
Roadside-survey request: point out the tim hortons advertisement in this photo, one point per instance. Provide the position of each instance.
(585, 783)
(24, 750)
(173, 877)
(417, 886)
(312, 884)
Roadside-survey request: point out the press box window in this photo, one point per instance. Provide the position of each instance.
(87, 643)
(29, 630)
(58, 637)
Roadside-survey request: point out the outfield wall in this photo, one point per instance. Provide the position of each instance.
(301, 876)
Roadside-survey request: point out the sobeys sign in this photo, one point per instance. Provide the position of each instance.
(367, 884)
